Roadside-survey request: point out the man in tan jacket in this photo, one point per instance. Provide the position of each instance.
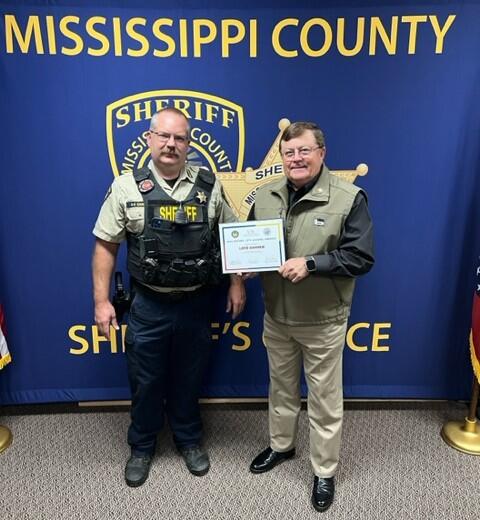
(328, 238)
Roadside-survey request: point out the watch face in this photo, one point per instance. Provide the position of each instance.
(311, 265)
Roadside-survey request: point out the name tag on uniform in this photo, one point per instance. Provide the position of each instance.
(134, 204)
(319, 222)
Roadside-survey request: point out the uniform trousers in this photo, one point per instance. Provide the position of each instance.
(321, 348)
(167, 346)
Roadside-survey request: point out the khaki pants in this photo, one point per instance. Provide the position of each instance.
(321, 347)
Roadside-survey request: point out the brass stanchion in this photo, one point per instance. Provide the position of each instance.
(5, 438)
(465, 436)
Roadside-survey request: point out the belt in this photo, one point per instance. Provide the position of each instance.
(172, 296)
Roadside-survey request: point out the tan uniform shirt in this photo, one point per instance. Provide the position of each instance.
(115, 219)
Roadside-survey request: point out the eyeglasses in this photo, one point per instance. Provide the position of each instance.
(304, 151)
(180, 140)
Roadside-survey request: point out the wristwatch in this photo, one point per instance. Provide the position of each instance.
(311, 265)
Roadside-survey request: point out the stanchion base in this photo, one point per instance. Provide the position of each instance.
(463, 436)
(5, 438)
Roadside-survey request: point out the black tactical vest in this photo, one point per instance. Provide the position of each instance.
(177, 247)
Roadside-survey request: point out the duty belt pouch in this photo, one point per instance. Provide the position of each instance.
(181, 273)
(148, 247)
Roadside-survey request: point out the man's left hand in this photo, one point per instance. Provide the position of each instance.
(294, 269)
(236, 297)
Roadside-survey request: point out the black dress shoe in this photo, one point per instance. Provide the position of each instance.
(268, 459)
(137, 469)
(323, 492)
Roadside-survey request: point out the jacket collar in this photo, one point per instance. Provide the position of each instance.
(319, 192)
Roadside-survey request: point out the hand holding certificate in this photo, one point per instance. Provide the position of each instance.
(252, 246)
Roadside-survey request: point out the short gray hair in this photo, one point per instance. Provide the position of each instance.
(173, 110)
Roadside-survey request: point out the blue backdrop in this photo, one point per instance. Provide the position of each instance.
(394, 85)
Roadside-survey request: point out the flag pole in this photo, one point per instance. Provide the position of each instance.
(5, 438)
(465, 436)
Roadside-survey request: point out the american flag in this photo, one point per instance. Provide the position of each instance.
(475, 334)
(5, 357)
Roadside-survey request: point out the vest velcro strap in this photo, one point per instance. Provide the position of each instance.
(205, 180)
(141, 174)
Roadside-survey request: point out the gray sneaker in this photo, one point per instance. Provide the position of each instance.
(137, 469)
(196, 459)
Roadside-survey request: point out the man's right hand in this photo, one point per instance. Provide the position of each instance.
(103, 263)
(104, 316)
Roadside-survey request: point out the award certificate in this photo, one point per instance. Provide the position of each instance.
(252, 246)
